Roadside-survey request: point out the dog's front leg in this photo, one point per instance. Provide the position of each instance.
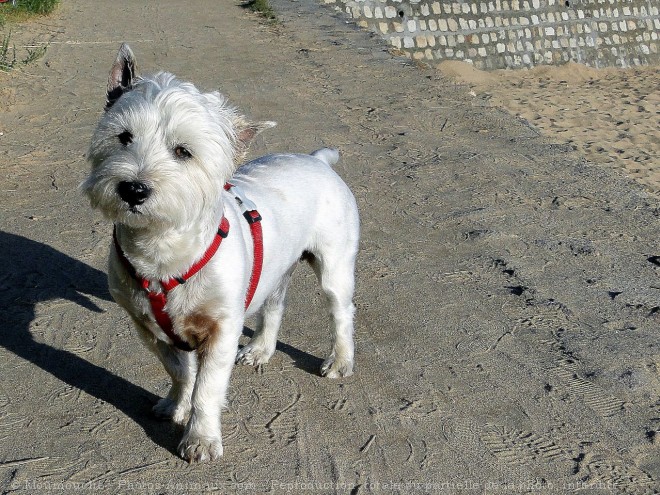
(202, 440)
(182, 368)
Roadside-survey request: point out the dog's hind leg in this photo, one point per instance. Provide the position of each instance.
(335, 271)
(262, 345)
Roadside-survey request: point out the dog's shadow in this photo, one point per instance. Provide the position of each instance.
(301, 359)
(32, 273)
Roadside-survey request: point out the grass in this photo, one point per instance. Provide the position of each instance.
(263, 8)
(21, 12)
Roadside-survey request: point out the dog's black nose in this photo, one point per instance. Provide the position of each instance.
(134, 193)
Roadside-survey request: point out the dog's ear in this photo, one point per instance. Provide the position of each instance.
(245, 132)
(121, 75)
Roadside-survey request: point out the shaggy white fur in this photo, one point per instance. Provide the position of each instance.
(160, 157)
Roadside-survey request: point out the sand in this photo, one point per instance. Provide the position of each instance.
(612, 116)
(507, 285)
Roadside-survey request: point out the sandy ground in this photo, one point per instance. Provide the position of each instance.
(508, 294)
(611, 115)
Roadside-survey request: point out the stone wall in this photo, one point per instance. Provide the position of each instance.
(493, 34)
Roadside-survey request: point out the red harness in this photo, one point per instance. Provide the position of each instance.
(158, 300)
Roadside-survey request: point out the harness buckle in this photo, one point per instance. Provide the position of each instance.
(252, 216)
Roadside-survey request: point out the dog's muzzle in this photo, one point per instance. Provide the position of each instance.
(133, 193)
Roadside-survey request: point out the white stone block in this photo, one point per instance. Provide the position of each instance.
(442, 25)
(501, 48)
(378, 13)
(433, 25)
(435, 8)
(408, 42)
(390, 12)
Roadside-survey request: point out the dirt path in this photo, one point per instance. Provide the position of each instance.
(507, 298)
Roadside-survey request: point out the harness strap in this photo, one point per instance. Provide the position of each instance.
(253, 218)
(158, 300)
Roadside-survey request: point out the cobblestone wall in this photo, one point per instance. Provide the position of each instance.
(494, 34)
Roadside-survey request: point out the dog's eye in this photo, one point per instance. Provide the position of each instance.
(182, 153)
(125, 138)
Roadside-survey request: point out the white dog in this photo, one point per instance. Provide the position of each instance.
(187, 252)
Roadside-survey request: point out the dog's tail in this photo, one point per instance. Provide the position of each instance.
(327, 155)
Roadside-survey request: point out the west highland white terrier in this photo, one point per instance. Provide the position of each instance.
(200, 244)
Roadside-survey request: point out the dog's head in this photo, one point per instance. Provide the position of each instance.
(163, 150)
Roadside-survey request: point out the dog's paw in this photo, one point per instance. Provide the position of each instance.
(200, 449)
(168, 410)
(336, 368)
(253, 355)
